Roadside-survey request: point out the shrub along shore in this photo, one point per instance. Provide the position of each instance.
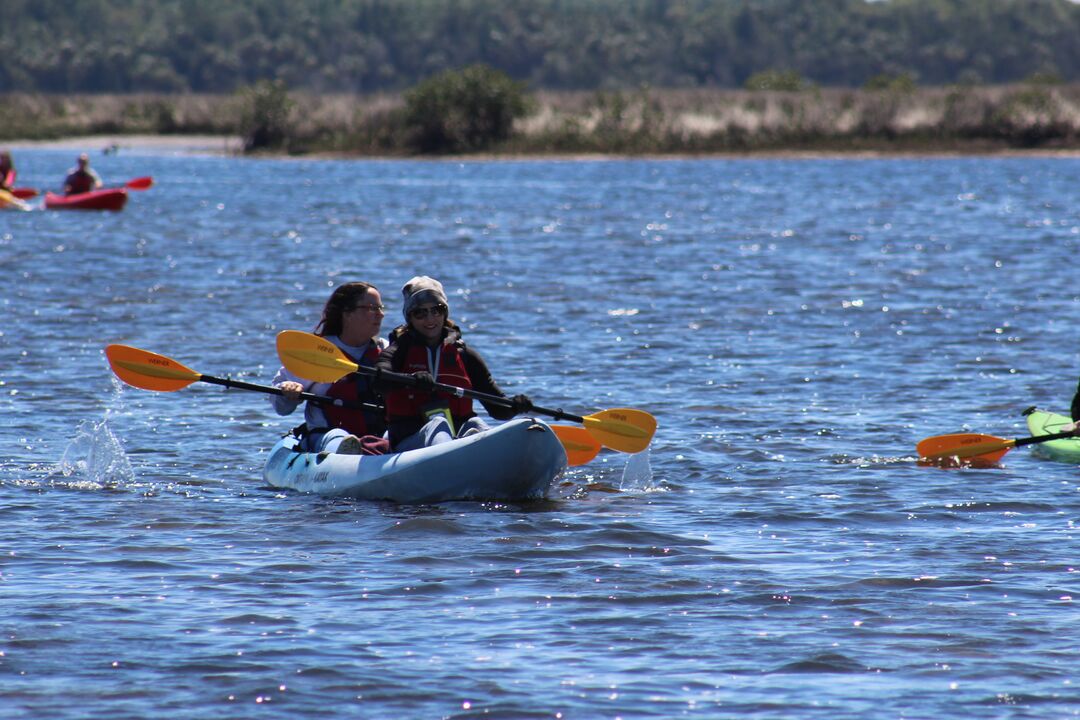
(435, 120)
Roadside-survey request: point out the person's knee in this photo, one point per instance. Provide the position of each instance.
(331, 439)
(472, 426)
(437, 431)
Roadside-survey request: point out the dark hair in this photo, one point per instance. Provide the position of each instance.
(344, 298)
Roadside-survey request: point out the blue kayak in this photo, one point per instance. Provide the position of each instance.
(515, 461)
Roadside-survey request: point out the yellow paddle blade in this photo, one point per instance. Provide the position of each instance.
(147, 370)
(7, 198)
(964, 446)
(623, 429)
(312, 357)
(579, 444)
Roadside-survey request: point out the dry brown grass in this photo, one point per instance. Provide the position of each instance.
(646, 121)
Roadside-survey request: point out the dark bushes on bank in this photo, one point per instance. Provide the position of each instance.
(463, 111)
(265, 118)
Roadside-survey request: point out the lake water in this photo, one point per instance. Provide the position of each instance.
(795, 325)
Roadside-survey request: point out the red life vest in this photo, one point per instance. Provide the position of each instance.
(405, 402)
(355, 387)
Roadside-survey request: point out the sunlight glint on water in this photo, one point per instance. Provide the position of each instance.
(796, 326)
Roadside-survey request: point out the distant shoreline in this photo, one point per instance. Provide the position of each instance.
(168, 144)
(1028, 120)
(230, 145)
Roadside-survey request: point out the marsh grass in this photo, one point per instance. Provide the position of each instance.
(646, 121)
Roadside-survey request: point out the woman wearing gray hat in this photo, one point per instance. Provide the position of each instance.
(429, 347)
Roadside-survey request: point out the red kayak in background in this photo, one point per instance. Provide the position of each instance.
(105, 199)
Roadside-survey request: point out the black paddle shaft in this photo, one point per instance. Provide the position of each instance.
(409, 380)
(1044, 438)
(269, 390)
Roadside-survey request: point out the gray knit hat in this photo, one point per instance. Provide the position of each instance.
(422, 289)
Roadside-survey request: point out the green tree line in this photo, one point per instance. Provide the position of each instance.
(367, 46)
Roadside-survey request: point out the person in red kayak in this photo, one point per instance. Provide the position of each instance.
(429, 347)
(7, 171)
(81, 178)
(351, 320)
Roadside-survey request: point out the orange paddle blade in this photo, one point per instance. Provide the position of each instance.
(141, 183)
(579, 444)
(964, 446)
(147, 370)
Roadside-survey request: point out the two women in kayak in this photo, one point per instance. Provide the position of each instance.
(428, 346)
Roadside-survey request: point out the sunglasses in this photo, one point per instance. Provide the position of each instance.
(370, 308)
(421, 313)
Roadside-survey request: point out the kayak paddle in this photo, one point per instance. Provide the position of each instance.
(969, 446)
(150, 371)
(141, 183)
(25, 193)
(579, 444)
(312, 357)
(7, 198)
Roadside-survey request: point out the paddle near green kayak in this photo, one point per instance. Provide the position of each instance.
(515, 461)
(1042, 423)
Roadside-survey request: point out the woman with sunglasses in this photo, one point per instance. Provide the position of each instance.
(351, 320)
(429, 347)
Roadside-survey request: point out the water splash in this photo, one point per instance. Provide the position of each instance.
(637, 474)
(94, 456)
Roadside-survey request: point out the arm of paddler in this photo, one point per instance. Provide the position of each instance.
(482, 381)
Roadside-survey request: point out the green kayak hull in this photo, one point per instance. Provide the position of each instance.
(1041, 423)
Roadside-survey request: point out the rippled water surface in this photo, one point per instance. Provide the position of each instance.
(795, 325)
